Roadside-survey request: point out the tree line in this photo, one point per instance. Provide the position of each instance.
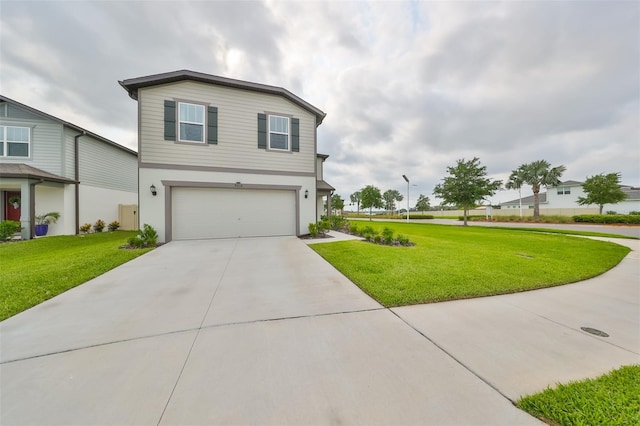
(467, 185)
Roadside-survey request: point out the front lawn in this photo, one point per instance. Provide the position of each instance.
(36, 270)
(451, 262)
(612, 399)
(568, 232)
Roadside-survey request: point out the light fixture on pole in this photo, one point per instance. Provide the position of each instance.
(407, 179)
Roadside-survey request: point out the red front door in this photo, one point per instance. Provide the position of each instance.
(12, 209)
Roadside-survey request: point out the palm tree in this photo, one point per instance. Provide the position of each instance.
(356, 198)
(539, 173)
(516, 179)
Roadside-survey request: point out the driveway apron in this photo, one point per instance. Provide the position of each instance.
(242, 331)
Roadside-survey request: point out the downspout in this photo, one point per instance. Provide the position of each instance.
(76, 177)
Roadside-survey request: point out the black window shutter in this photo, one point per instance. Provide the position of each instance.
(262, 131)
(295, 134)
(169, 120)
(212, 125)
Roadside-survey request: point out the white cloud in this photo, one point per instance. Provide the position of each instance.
(409, 87)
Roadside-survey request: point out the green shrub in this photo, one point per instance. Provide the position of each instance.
(113, 226)
(403, 240)
(353, 229)
(148, 237)
(419, 216)
(367, 233)
(324, 225)
(607, 218)
(387, 235)
(611, 212)
(99, 225)
(8, 228)
(85, 228)
(634, 213)
(472, 217)
(339, 223)
(377, 238)
(313, 230)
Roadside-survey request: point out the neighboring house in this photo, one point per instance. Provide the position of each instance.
(565, 196)
(527, 202)
(50, 165)
(221, 158)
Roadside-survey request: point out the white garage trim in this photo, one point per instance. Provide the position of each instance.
(169, 185)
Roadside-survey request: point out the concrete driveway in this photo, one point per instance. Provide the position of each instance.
(263, 331)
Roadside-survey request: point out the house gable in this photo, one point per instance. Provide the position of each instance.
(236, 144)
(45, 148)
(103, 163)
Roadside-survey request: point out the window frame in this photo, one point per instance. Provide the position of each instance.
(5, 142)
(179, 122)
(269, 132)
(564, 190)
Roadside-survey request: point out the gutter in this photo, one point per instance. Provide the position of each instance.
(76, 173)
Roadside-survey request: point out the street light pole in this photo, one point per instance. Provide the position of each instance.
(407, 179)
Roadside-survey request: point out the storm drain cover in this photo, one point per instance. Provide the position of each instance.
(594, 331)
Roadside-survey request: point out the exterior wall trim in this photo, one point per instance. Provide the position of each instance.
(170, 184)
(133, 85)
(222, 169)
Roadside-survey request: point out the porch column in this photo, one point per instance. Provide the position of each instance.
(27, 194)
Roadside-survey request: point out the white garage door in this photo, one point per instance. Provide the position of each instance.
(228, 213)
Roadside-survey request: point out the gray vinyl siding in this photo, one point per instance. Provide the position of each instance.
(237, 129)
(68, 163)
(106, 166)
(46, 148)
(14, 111)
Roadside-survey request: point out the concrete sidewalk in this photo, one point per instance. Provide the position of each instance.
(521, 343)
(264, 331)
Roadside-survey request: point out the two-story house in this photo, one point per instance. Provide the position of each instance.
(563, 199)
(50, 165)
(223, 158)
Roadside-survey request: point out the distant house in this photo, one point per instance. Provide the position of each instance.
(565, 196)
(225, 158)
(527, 202)
(50, 165)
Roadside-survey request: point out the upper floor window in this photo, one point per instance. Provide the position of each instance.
(191, 122)
(564, 190)
(278, 132)
(15, 141)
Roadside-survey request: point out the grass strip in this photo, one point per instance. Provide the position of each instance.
(567, 232)
(36, 270)
(611, 399)
(451, 262)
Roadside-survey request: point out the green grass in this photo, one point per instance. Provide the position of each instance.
(568, 232)
(611, 399)
(36, 270)
(450, 262)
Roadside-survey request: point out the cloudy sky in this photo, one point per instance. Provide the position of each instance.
(409, 87)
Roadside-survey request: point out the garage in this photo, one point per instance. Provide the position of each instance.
(199, 213)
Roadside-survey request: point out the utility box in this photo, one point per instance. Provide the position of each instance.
(128, 217)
